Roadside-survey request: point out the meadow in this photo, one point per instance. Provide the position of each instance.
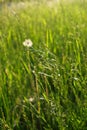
(43, 86)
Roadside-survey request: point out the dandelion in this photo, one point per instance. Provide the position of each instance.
(31, 99)
(28, 43)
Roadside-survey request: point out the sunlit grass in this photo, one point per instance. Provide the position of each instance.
(43, 85)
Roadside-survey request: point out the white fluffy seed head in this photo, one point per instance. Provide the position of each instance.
(28, 43)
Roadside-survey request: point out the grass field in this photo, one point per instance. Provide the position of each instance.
(43, 86)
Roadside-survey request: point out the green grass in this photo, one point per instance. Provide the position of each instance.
(43, 87)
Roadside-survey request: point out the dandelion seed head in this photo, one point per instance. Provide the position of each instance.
(27, 43)
(31, 99)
